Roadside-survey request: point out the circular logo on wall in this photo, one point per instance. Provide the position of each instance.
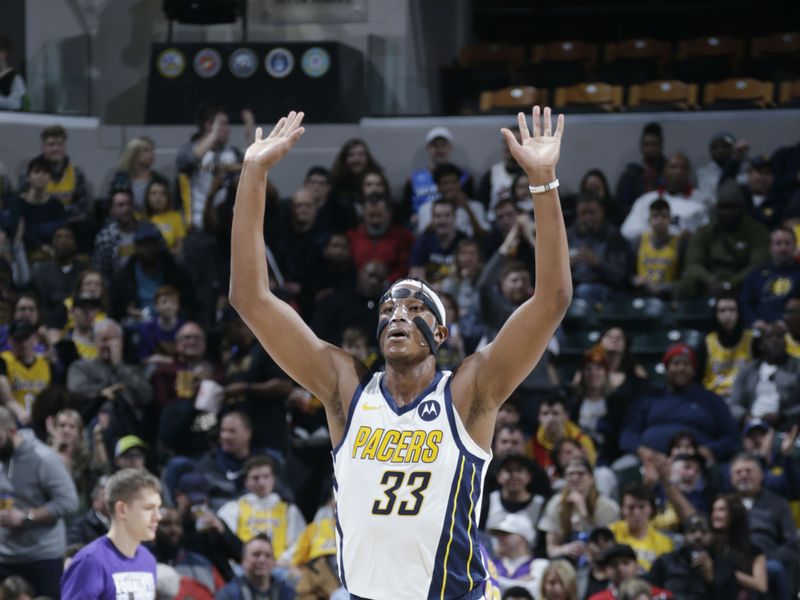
(279, 63)
(243, 63)
(207, 63)
(171, 63)
(315, 62)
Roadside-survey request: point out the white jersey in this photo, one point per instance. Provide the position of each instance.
(408, 484)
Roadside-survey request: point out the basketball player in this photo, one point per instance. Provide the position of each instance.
(411, 445)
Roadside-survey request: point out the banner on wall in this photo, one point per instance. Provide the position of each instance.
(325, 79)
(313, 11)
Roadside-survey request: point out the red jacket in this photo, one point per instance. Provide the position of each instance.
(393, 248)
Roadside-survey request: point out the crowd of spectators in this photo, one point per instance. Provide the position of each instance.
(120, 351)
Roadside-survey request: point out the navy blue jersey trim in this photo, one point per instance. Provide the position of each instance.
(340, 560)
(353, 402)
(399, 410)
(451, 418)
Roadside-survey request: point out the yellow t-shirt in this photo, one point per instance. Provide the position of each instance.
(658, 265)
(792, 346)
(171, 226)
(26, 382)
(648, 548)
(723, 364)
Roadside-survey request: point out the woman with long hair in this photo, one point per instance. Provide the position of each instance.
(135, 170)
(727, 348)
(353, 159)
(160, 212)
(732, 541)
(571, 515)
(558, 582)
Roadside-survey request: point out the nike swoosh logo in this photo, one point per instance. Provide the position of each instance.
(370, 407)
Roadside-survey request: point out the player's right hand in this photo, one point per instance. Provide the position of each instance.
(267, 152)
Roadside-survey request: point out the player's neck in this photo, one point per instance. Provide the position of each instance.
(122, 540)
(406, 382)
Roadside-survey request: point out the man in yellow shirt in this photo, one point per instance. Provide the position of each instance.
(23, 373)
(635, 530)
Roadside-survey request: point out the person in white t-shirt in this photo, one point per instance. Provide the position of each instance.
(688, 206)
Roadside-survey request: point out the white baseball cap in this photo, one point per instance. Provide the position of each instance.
(438, 132)
(516, 523)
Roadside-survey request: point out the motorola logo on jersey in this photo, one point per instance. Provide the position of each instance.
(429, 410)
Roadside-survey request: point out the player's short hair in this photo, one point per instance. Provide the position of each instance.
(444, 170)
(125, 486)
(38, 164)
(653, 128)
(318, 170)
(554, 399)
(241, 415)
(640, 492)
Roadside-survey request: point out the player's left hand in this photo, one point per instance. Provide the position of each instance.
(537, 154)
(267, 152)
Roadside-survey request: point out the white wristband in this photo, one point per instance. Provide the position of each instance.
(541, 189)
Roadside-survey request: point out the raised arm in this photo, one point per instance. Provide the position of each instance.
(326, 371)
(500, 367)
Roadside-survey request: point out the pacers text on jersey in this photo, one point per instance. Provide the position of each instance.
(391, 445)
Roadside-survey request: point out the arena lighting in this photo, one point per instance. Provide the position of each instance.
(205, 12)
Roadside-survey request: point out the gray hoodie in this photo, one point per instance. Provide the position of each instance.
(38, 478)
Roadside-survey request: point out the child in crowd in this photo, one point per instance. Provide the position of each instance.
(658, 253)
(261, 509)
(157, 335)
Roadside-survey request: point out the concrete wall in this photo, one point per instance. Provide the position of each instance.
(607, 142)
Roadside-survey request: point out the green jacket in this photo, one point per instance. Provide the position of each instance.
(725, 255)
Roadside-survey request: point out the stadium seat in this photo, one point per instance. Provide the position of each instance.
(581, 315)
(634, 310)
(523, 97)
(506, 55)
(705, 58)
(773, 57)
(695, 314)
(654, 342)
(565, 51)
(589, 97)
(662, 94)
(739, 93)
(789, 93)
(634, 60)
(578, 342)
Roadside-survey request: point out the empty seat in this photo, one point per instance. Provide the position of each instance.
(523, 96)
(654, 342)
(774, 57)
(634, 310)
(589, 97)
(663, 94)
(741, 92)
(634, 61)
(694, 314)
(507, 55)
(562, 63)
(789, 94)
(707, 58)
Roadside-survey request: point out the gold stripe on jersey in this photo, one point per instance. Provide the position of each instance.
(469, 527)
(452, 526)
(392, 445)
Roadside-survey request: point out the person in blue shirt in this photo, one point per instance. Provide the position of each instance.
(684, 405)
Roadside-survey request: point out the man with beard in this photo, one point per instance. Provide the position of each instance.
(599, 256)
(721, 254)
(693, 572)
(378, 239)
(170, 549)
(37, 495)
(683, 406)
(768, 388)
(767, 287)
(54, 279)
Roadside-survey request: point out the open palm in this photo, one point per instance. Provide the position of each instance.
(267, 152)
(540, 150)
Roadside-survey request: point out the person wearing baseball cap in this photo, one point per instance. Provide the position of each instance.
(421, 188)
(684, 405)
(130, 452)
(515, 562)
